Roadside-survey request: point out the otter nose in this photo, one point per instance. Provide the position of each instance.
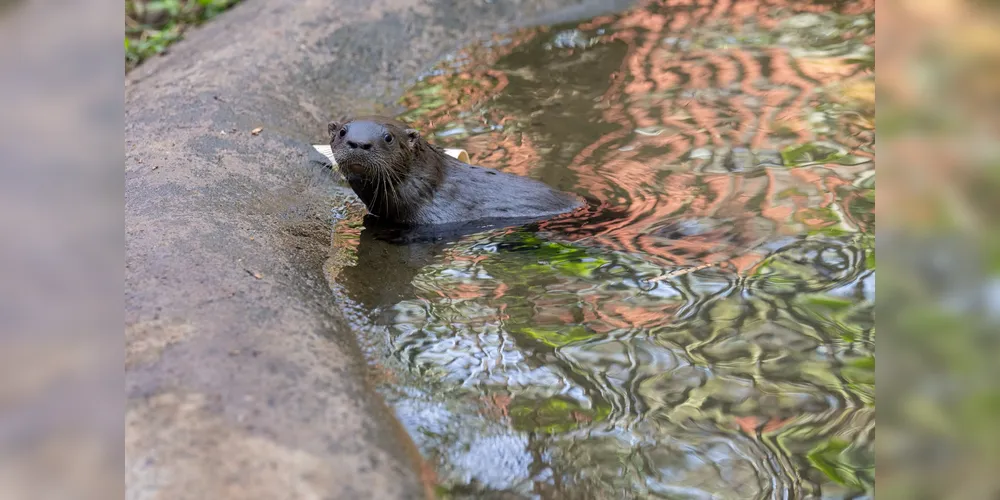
(358, 144)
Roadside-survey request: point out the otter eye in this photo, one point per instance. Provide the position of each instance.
(387, 137)
(343, 131)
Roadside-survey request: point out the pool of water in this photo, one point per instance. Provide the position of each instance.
(706, 328)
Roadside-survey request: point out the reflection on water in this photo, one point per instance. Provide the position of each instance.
(706, 330)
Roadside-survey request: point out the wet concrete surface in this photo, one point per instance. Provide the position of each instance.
(242, 380)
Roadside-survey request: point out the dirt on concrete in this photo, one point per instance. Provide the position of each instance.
(242, 378)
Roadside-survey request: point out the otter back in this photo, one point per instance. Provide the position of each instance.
(469, 192)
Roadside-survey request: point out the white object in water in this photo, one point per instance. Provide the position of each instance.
(325, 150)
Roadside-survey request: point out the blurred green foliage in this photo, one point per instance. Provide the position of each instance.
(151, 26)
(938, 293)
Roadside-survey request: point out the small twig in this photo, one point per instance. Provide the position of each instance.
(681, 272)
(824, 163)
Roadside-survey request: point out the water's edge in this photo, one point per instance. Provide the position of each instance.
(234, 347)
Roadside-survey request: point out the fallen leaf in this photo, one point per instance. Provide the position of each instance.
(257, 131)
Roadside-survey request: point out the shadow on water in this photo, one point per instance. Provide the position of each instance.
(707, 329)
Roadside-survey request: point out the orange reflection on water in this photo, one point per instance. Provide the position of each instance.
(728, 149)
(700, 83)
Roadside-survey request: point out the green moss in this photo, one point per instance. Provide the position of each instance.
(554, 415)
(552, 257)
(556, 338)
(812, 154)
(831, 457)
(830, 303)
(860, 377)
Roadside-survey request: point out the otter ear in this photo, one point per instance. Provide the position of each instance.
(331, 129)
(413, 134)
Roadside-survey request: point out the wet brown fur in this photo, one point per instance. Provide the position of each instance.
(403, 179)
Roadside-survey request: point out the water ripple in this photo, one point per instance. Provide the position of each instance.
(706, 328)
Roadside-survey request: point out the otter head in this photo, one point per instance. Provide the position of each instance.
(377, 157)
(372, 148)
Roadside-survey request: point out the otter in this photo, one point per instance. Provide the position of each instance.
(404, 180)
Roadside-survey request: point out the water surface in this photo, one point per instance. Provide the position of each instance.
(705, 329)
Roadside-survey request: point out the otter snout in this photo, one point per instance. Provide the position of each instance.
(350, 158)
(359, 144)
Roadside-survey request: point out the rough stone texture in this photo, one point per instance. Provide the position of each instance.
(242, 380)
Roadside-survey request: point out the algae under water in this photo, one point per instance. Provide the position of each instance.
(707, 329)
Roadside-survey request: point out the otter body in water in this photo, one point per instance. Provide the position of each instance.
(402, 179)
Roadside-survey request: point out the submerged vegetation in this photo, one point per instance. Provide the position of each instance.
(152, 25)
(708, 330)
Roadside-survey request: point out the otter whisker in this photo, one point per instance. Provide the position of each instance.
(377, 174)
(380, 180)
(393, 179)
(385, 174)
(375, 185)
(385, 190)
